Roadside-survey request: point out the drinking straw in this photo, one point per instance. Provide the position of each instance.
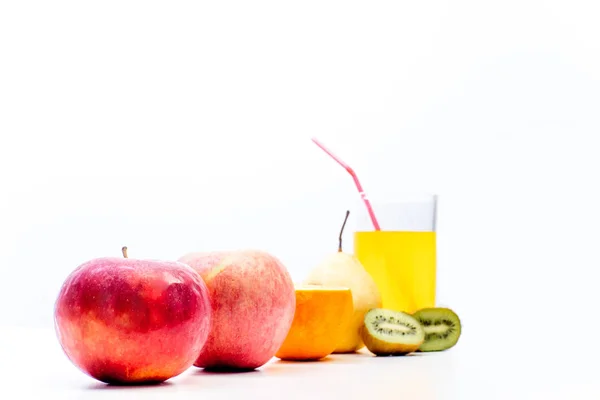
(356, 181)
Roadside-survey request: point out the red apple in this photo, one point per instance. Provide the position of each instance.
(253, 300)
(123, 320)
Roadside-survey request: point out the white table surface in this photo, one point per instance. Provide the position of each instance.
(32, 363)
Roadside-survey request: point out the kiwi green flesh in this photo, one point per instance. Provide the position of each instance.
(442, 328)
(393, 326)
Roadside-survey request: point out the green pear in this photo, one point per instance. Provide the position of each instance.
(344, 269)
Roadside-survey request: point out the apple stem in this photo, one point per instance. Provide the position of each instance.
(124, 251)
(342, 231)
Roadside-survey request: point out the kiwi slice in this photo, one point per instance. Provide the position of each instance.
(442, 328)
(389, 333)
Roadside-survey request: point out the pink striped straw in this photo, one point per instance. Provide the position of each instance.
(356, 182)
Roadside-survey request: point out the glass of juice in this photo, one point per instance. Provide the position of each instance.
(401, 256)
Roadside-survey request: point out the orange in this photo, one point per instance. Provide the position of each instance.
(322, 316)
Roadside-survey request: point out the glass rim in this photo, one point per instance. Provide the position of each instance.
(399, 198)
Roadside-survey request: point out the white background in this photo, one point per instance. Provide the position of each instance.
(180, 126)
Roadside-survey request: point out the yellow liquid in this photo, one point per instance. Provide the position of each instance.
(403, 266)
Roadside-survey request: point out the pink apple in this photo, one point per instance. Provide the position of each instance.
(253, 301)
(123, 320)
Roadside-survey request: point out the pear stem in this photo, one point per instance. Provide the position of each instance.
(124, 251)
(342, 231)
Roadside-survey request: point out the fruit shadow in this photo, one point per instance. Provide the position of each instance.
(415, 354)
(132, 386)
(300, 362)
(362, 356)
(343, 358)
(226, 371)
(274, 367)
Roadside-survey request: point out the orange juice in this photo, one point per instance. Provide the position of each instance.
(403, 265)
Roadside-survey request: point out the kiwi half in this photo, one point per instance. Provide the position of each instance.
(442, 328)
(390, 333)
